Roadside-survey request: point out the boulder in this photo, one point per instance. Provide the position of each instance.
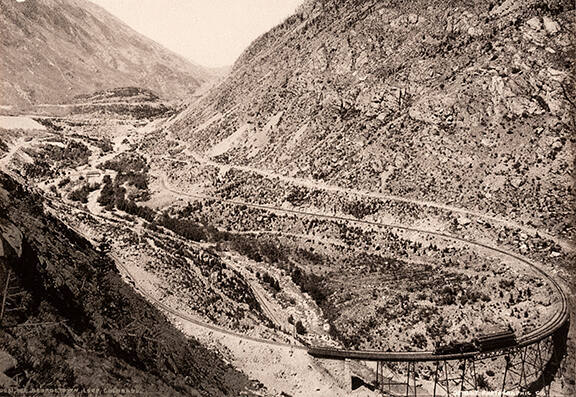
(551, 25)
(463, 221)
(516, 182)
(7, 362)
(534, 23)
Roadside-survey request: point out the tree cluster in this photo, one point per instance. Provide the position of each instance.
(81, 194)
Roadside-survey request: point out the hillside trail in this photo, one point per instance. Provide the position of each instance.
(111, 103)
(567, 246)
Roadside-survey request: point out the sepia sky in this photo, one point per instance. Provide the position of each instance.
(208, 32)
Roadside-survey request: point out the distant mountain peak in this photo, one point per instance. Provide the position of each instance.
(53, 50)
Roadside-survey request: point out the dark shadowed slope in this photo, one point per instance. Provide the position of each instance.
(70, 321)
(52, 50)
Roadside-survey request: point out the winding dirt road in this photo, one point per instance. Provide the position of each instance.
(198, 158)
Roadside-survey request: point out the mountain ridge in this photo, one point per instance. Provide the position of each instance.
(54, 50)
(466, 103)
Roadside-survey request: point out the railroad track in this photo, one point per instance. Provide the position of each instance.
(188, 318)
(545, 331)
(199, 159)
(166, 308)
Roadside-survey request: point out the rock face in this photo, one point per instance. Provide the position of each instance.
(443, 99)
(53, 50)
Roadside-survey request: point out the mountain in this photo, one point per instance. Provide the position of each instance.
(53, 50)
(69, 320)
(459, 102)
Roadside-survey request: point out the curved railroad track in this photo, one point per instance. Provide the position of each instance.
(543, 332)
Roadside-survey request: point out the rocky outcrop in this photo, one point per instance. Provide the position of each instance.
(429, 100)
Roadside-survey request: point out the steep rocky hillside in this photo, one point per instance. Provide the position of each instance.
(68, 320)
(460, 102)
(53, 50)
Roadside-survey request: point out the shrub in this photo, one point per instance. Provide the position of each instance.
(105, 144)
(81, 194)
(309, 283)
(64, 182)
(482, 383)
(300, 329)
(73, 155)
(185, 228)
(126, 163)
(274, 284)
(419, 341)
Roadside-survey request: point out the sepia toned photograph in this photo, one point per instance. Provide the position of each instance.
(287, 198)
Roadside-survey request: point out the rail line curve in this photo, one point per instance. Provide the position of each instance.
(546, 330)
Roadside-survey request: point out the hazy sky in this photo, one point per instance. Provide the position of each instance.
(208, 32)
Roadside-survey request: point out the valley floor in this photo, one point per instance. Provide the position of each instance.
(146, 255)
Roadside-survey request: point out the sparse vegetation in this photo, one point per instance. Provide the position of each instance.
(428, 145)
(300, 329)
(74, 154)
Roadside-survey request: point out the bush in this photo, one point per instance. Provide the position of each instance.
(300, 329)
(40, 168)
(131, 169)
(245, 247)
(64, 182)
(271, 281)
(73, 155)
(360, 209)
(419, 341)
(506, 284)
(482, 383)
(105, 144)
(126, 163)
(185, 228)
(110, 193)
(81, 194)
(309, 283)
(132, 208)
